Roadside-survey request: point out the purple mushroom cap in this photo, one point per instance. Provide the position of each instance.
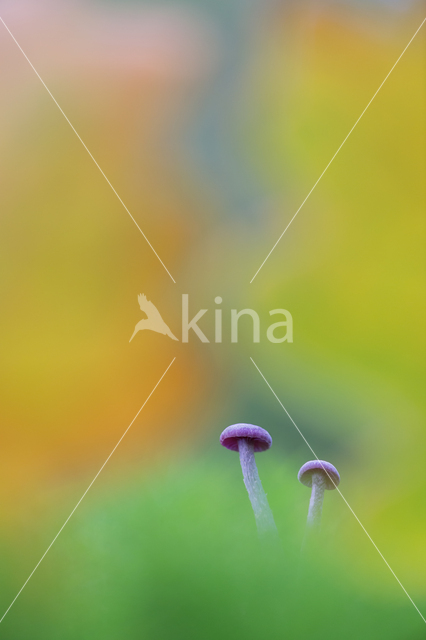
(260, 437)
(314, 466)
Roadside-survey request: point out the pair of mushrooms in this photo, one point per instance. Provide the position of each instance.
(317, 474)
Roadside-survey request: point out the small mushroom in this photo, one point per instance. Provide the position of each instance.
(248, 439)
(319, 475)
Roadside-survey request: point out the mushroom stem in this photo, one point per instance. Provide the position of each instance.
(317, 497)
(262, 511)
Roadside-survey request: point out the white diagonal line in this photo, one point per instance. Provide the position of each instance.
(84, 145)
(81, 499)
(411, 40)
(344, 499)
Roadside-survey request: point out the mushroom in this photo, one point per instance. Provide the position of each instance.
(319, 475)
(248, 439)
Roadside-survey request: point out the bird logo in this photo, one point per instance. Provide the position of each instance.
(153, 322)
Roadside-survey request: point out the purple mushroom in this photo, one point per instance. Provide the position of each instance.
(248, 439)
(319, 475)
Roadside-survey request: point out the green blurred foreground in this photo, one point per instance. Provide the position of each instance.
(176, 556)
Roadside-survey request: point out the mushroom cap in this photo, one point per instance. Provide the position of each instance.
(260, 437)
(314, 466)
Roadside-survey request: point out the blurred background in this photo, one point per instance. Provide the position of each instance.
(212, 119)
